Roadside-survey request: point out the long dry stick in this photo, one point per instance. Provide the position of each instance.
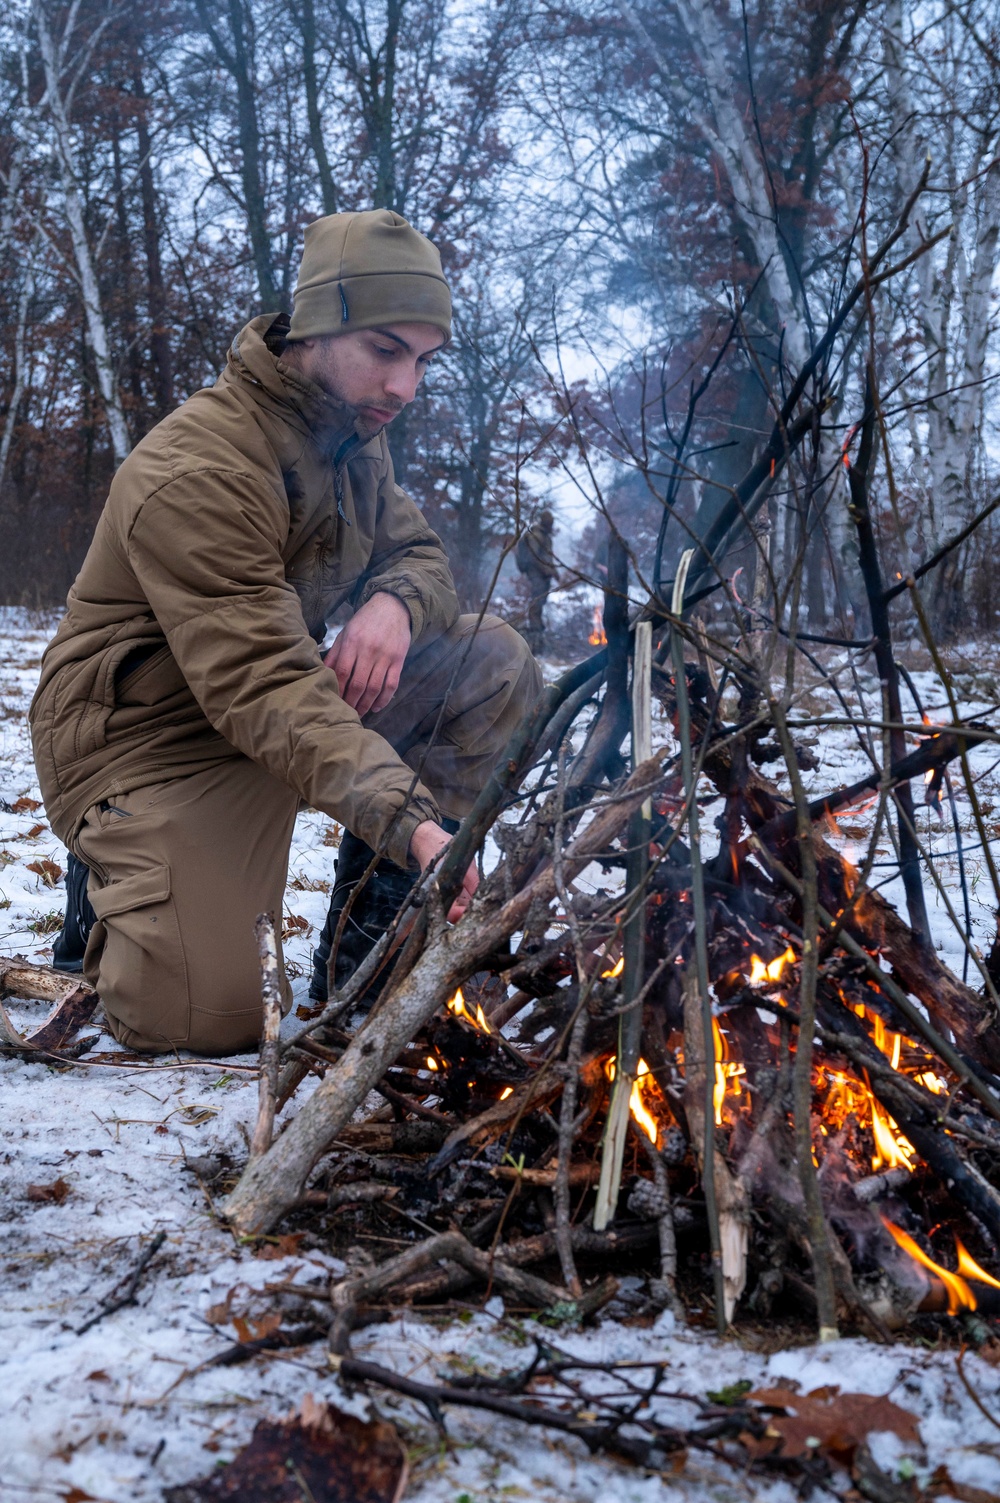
(708, 1176)
(568, 1127)
(819, 1240)
(859, 479)
(634, 949)
(270, 1049)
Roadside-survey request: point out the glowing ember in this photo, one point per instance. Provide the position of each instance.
(508, 1090)
(598, 637)
(762, 973)
(960, 1296)
(432, 1063)
(457, 1008)
(636, 1105)
(725, 1071)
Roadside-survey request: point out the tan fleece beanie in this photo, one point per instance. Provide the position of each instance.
(365, 269)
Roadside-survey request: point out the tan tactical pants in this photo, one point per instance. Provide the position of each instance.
(180, 869)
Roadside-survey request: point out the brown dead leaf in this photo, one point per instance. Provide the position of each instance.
(34, 832)
(323, 1454)
(25, 805)
(256, 1330)
(285, 1246)
(53, 1194)
(832, 1422)
(50, 873)
(77, 1495)
(98, 1376)
(293, 924)
(219, 1314)
(942, 1482)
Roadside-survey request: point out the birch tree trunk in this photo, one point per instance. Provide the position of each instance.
(730, 134)
(953, 305)
(25, 296)
(57, 103)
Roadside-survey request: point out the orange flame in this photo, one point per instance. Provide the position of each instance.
(636, 1103)
(960, 1296)
(615, 970)
(508, 1090)
(598, 637)
(456, 1006)
(848, 1094)
(890, 1044)
(432, 1063)
(892, 1150)
(763, 973)
(968, 1265)
(725, 1071)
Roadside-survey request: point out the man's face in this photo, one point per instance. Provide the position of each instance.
(374, 372)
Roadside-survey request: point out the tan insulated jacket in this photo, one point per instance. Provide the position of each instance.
(230, 535)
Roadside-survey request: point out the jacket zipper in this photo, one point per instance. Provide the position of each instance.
(339, 461)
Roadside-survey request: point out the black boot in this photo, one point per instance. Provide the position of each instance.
(71, 941)
(372, 912)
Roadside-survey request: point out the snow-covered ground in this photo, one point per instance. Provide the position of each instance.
(126, 1409)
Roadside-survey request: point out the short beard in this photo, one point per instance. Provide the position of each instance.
(365, 426)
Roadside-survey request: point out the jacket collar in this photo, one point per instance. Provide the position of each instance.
(287, 392)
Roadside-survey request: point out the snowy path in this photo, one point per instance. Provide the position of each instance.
(120, 1413)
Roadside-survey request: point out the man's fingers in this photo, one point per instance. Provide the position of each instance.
(469, 884)
(389, 688)
(341, 661)
(371, 692)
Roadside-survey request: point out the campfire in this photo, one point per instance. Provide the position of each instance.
(497, 1123)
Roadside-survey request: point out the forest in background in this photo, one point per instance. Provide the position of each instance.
(671, 196)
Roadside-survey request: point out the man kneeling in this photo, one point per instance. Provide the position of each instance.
(185, 713)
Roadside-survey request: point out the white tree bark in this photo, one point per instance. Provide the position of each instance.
(952, 294)
(57, 101)
(25, 296)
(731, 137)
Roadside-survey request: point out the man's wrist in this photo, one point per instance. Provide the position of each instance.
(398, 601)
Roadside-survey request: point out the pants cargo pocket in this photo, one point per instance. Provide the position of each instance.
(141, 969)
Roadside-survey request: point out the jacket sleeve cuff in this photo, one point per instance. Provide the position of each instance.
(404, 593)
(404, 824)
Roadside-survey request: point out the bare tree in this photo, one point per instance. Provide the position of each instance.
(66, 52)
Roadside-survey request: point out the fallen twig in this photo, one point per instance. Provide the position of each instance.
(110, 1306)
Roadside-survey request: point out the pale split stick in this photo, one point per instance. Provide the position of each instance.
(737, 1271)
(270, 1053)
(630, 1023)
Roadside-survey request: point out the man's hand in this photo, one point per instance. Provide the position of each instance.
(368, 655)
(428, 841)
